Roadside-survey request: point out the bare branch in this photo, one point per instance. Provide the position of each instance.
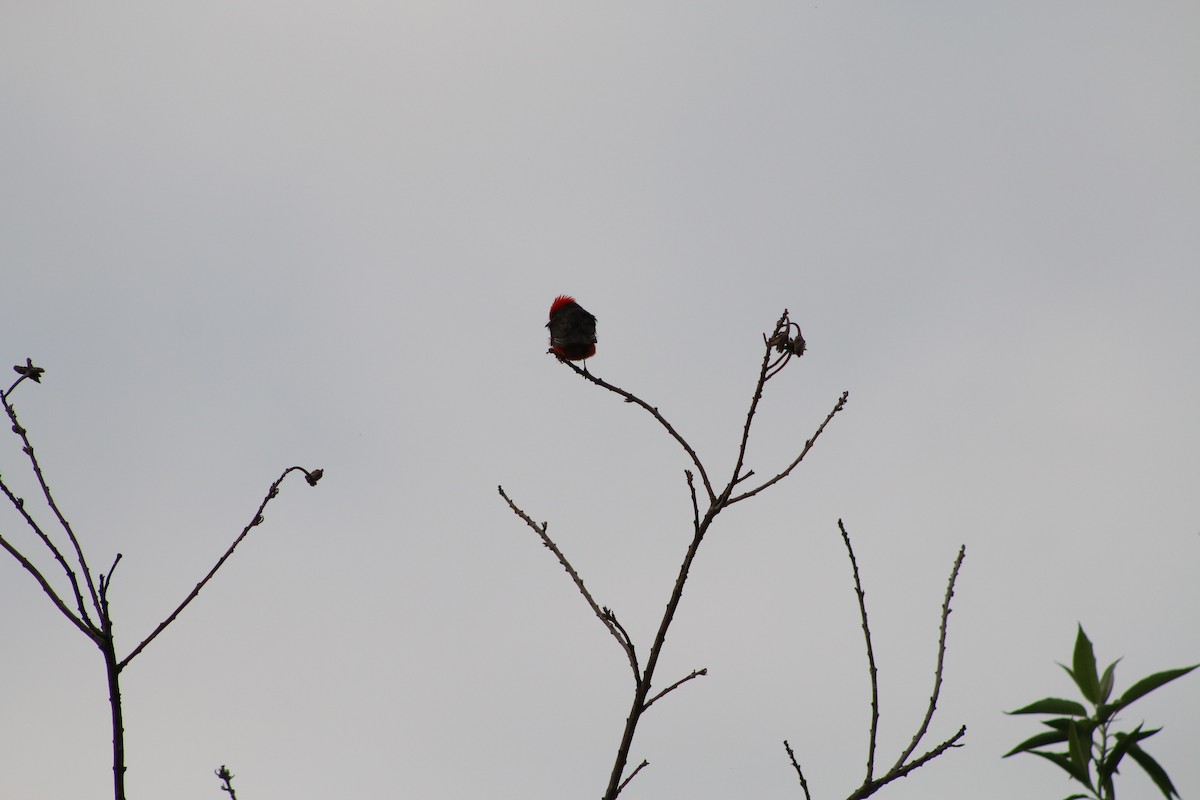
(625, 782)
(841, 403)
(866, 790)
(631, 398)
(85, 627)
(312, 476)
(608, 619)
(754, 400)
(696, 673)
(903, 766)
(862, 608)
(796, 766)
(81, 620)
(37, 471)
(941, 659)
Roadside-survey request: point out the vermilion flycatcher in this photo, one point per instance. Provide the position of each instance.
(572, 330)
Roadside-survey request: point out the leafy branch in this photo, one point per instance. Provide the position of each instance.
(1092, 743)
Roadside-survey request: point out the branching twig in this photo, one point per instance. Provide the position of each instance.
(841, 403)
(311, 476)
(941, 660)
(781, 341)
(696, 673)
(62, 520)
(84, 620)
(100, 631)
(903, 765)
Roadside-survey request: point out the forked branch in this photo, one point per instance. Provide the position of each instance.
(783, 344)
(903, 765)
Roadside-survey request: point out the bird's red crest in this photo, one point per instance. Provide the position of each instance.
(560, 302)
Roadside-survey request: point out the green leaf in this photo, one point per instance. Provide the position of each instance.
(1106, 681)
(1041, 740)
(1078, 797)
(1156, 772)
(1053, 705)
(1064, 762)
(1083, 668)
(1060, 724)
(1147, 685)
(1080, 744)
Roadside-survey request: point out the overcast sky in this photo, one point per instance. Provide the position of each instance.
(245, 235)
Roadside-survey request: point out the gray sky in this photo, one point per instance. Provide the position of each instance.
(242, 236)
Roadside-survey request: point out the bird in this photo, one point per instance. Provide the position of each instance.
(572, 330)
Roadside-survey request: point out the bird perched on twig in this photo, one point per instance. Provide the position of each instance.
(572, 330)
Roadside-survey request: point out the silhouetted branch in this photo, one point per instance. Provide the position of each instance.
(83, 626)
(310, 476)
(100, 631)
(941, 659)
(226, 781)
(29, 372)
(638, 769)
(841, 403)
(696, 673)
(84, 620)
(903, 765)
(608, 619)
(874, 673)
(630, 398)
(782, 342)
(796, 766)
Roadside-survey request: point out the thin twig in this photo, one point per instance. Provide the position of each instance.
(631, 398)
(862, 608)
(799, 772)
(754, 400)
(84, 627)
(625, 782)
(81, 620)
(312, 477)
(696, 673)
(19, 504)
(866, 790)
(62, 520)
(841, 403)
(941, 659)
(609, 622)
